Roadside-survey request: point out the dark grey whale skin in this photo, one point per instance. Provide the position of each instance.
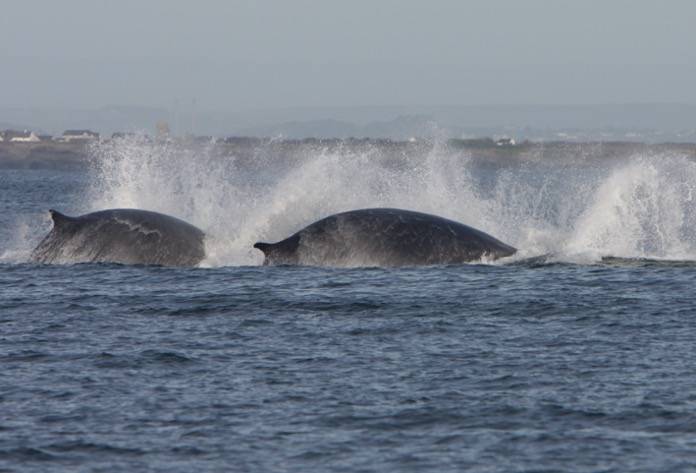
(126, 236)
(384, 237)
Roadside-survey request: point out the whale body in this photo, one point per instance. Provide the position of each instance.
(126, 236)
(384, 237)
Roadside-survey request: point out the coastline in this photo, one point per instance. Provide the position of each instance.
(75, 155)
(43, 155)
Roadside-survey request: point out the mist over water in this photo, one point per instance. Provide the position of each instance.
(576, 210)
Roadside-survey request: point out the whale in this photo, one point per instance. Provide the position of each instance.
(125, 236)
(384, 237)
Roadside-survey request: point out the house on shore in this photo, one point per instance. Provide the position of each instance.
(505, 141)
(79, 135)
(14, 136)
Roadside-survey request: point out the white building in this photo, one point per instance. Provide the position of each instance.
(25, 137)
(79, 135)
(505, 141)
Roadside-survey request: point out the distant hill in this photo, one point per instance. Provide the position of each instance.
(632, 122)
(312, 128)
(621, 122)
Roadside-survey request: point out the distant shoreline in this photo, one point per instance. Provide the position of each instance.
(76, 155)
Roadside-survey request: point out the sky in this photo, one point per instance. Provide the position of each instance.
(256, 54)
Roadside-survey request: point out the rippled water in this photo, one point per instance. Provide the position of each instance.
(559, 360)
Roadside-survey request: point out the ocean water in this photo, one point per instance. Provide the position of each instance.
(575, 355)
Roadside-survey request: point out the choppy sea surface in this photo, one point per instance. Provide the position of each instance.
(576, 355)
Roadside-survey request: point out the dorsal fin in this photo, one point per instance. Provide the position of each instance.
(259, 245)
(59, 220)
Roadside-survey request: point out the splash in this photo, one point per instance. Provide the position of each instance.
(573, 209)
(644, 209)
(22, 240)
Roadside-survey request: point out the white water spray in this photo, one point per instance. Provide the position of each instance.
(575, 210)
(644, 208)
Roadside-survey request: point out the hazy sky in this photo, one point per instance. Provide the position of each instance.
(229, 54)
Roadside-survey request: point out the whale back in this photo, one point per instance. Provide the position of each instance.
(126, 236)
(384, 237)
(61, 221)
(283, 252)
